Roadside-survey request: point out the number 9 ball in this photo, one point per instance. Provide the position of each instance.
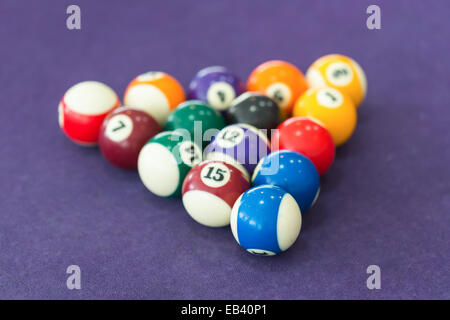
(123, 134)
(215, 86)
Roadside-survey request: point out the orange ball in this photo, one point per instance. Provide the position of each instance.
(340, 72)
(279, 80)
(156, 93)
(333, 109)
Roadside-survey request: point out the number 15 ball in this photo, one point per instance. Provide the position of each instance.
(210, 190)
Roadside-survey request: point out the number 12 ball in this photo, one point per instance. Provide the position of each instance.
(210, 190)
(239, 144)
(123, 134)
(215, 86)
(266, 220)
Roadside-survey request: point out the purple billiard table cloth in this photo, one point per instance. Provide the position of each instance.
(385, 201)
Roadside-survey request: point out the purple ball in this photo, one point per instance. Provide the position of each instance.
(215, 86)
(239, 144)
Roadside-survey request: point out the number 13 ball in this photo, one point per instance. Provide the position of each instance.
(339, 72)
(210, 190)
(279, 80)
(83, 109)
(265, 220)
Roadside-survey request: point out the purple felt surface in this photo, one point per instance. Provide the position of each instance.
(385, 201)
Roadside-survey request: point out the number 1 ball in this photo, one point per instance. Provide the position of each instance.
(216, 86)
(265, 220)
(210, 190)
(83, 109)
(332, 109)
(123, 134)
(307, 137)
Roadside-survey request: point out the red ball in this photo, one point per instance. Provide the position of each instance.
(123, 134)
(82, 111)
(210, 190)
(307, 137)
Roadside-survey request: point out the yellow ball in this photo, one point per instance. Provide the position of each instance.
(340, 72)
(330, 107)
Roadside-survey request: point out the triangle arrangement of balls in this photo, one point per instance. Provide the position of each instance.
(249, 156)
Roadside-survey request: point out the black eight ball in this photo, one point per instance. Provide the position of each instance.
(254, 109)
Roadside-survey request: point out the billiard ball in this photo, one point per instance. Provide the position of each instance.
(255, 109)
(332, 109)
(265, 220)
(215, 86)
(239, 144)
(164, 162)
(340, 72)
(307, 137)
(82, 111)
(197, 119)
(210, 190)
(156, 93)
(123, 134)
(292, 172)
(280, 80)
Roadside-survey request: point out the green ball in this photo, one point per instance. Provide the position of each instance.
(194, 112)
(165, 161)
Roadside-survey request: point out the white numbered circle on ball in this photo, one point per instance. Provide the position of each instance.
(329, 97)
(190, 153)
(150, 76)
(339, 74)
(119, 127)
(260, 252)
(281, 93)
(220, 95)
(215, 175)
(230, 137)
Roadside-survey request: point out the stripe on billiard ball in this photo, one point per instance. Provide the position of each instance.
(265, 220)
(165, 161)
